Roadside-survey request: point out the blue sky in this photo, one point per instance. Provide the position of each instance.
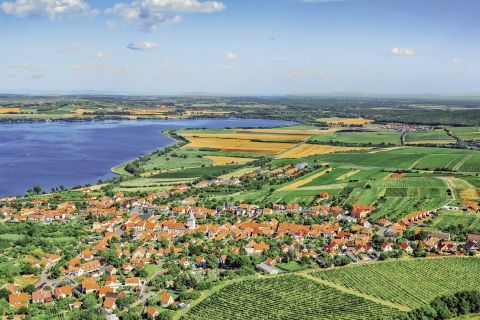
(240, 46)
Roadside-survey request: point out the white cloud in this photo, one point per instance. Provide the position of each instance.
(148, 15)
(142, 46)
(53, 9)
(103, 67)
(456, 61)
(230, 56)
(295, 72)
(102, 54)
(406, 52)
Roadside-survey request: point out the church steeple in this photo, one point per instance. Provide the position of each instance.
(191, 221)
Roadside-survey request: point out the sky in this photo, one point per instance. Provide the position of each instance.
(240, 47)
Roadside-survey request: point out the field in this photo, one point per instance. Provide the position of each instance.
(304, 180)
(345, 121)
(351, 137)
(197, 172)
(447, 220)
(412, 283)
(238, 145)
(248, 135)
(286, 297)
(9, 110)
(436, 136)
(305, 150)
(409, 158)
(220, 160)
(466, 133)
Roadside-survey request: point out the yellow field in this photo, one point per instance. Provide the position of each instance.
(220, 161)
(81, 111)
(431, 142)
(470, 194)
(346, 121)
(9, 110)
(301, 182)
(248, 136)
(305, 150)
(237, 145)
(238, 173)
(348, 174)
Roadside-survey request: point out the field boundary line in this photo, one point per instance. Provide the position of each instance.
(298, 183)
(461, 162)
(365, 296)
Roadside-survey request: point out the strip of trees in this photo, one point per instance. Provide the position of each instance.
(446, 307)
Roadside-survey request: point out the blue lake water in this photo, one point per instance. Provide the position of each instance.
(51, 154)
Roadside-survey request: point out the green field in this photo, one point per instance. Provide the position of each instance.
(374, 137)
(198, 172)
(466, 133)
(446, 220)
(412, 283)
(408, 158)
(428, 136)
(287, 297)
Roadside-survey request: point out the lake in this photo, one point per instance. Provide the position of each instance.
(51, 154)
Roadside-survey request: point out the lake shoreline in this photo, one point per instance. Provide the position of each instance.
(70, 154)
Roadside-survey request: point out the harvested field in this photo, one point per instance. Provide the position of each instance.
(346, 121)
(305, 150)
(396, 175)
(236, 145)
(470, 194)
(301, 182)
(220, 161)
(9, 110)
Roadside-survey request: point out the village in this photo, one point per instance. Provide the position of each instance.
(153, 254)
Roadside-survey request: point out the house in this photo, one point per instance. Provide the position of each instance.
(360, 211)
(86, 255)
(90, 285)
(63, 292)
(18, 300)
(324, 195)
(166, 299)
(41, 296)
(405, 246)
(386, 247)
(200, 262)
(151, 312)
(252, 247)
(133, 282)
(109, 304)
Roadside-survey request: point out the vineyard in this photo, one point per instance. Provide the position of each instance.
(287, 297)
(411, 283)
